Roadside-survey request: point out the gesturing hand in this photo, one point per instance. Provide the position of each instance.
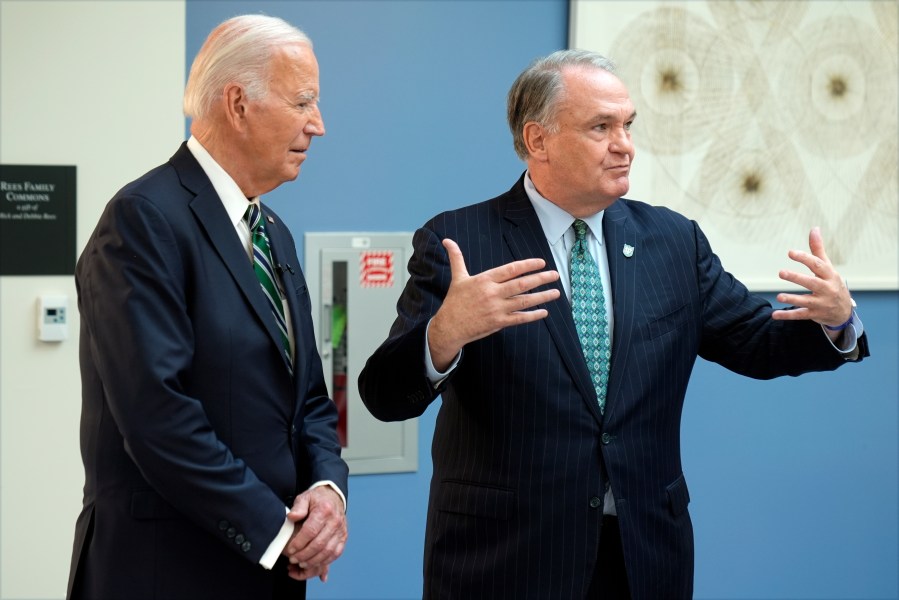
(319, 535)
(829, 302)
(478, 305)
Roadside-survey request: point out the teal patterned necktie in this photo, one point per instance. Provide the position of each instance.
(589, 310)
(262, 265)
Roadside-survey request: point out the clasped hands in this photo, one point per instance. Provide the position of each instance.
(319, 535)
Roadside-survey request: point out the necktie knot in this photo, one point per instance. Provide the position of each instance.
(580, 230)
(253, 217)
(580, 238)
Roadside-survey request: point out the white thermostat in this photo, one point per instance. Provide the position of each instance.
(52, 318)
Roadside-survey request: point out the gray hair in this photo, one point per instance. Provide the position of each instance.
(240, 50)
(536, 92)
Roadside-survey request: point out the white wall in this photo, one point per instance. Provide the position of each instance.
(97, 85)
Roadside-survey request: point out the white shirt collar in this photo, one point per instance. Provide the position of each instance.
(554, 220)
(232, 198)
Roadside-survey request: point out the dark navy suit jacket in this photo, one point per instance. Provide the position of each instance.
(521, 452)
(194, 434)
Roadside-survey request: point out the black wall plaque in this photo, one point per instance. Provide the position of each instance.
(37, 220)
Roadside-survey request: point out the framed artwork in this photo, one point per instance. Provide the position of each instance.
(761, 120)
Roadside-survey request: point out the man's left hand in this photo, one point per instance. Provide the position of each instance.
(828, 302)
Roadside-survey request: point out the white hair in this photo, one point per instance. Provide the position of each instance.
(239, 51)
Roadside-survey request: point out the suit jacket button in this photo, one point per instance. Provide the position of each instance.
(231, 532)
(223, 525)
(595, 502)
(246, 546)
(606, 438)
(240, 539)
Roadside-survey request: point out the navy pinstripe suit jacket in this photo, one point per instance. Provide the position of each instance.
(521, 452)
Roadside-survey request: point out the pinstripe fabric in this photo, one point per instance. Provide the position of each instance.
(521, 451)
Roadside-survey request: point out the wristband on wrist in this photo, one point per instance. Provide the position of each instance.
(848, 322)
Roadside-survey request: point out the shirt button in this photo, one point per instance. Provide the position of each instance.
(595, 502)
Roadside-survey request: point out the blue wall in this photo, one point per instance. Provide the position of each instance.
(794, 481)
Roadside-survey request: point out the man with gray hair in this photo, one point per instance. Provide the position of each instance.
(209, 442)
(560, 322)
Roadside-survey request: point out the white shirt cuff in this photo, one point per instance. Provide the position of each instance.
(849, 340)
(333, 486)
(277, 546)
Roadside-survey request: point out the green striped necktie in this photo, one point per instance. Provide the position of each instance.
(262, 265)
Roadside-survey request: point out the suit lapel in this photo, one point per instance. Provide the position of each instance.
(207, 207)
(526, 239)
(618, 231)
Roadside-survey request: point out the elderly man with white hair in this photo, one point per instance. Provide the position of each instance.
(209, 442)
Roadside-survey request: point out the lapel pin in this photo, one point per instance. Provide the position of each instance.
(627, 250)
(271, 220)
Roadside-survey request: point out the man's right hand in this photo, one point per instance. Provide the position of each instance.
(476, 306)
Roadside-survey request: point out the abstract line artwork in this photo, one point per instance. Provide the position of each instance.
(761, 119)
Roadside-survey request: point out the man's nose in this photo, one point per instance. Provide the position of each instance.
(316, 124)
(621, 142)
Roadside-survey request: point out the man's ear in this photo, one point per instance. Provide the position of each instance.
(235, 99)
(534, 137)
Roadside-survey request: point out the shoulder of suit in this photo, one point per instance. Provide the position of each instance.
(155, 185)
(463, 217)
